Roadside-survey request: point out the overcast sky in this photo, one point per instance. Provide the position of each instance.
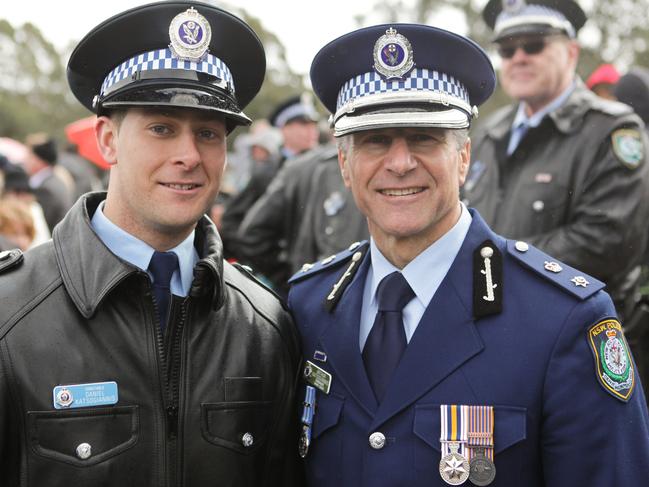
(302, 26)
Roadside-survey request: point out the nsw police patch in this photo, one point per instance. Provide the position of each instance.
(613, 362)
(628, 147)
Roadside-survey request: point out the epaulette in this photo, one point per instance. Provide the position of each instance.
(261, 280)
(330, 262)
(10, 259)
(571, 280)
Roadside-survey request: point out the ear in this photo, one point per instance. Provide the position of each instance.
(465, 161)
(106, 134)
(343, 163)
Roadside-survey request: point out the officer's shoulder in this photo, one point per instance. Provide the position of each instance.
(261, 296)
(610, 108)
(564, 277)
(330, 263)
(10, 260)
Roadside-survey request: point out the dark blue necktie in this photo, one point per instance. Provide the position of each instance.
(387, 339)
(162, 267)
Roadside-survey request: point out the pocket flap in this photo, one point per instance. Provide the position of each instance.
(510, 425)
(240, 426)
(327, 412)
(108, 431)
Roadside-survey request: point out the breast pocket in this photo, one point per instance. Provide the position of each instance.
(241, 426)
(326, 449)
(510, 432)
(83, 437)
(541, 206)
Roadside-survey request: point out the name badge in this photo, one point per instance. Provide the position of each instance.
(317, 377)
(85, 395)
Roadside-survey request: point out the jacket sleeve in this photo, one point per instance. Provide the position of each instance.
(9, 445)
(606, 229)
(589, 437)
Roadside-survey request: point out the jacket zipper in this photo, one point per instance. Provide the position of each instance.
(174, 365)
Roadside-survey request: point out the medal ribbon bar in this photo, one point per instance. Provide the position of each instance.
(481, 431)
(454, 427)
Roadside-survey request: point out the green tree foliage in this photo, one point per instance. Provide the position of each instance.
(34, 93)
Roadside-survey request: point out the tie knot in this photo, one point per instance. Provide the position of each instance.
(394, 292)
(162, 267)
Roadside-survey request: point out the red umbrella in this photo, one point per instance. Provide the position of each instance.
(82, 134)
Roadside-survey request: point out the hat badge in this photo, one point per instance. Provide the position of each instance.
(393, 56)
(190, 35)
(513, 6)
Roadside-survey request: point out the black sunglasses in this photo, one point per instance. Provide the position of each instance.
(535, 46)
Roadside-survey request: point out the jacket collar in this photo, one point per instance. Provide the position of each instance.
(78, 248)
(568, 118)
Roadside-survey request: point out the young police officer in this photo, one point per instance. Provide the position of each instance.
(130, 353)
(439, 352)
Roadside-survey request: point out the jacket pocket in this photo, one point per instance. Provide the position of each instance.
(327, 413)
(241, 426)
(57, 434)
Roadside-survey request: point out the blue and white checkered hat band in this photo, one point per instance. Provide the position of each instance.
(420, 80)
(164, 59)
(533, 14)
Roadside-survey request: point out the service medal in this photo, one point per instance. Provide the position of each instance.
(454, 468)
(482, 470)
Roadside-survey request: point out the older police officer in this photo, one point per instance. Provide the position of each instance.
(130, 353)
(439, 352)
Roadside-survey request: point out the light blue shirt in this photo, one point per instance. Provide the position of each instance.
(522, 122)
(136, 252)
(424, 274)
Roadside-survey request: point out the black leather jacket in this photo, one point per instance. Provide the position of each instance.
(71, 312)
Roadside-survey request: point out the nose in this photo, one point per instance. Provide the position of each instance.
(187, 153)
(399, 159)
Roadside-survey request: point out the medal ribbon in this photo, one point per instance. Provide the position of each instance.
(454, 427)
(309, 406)
(481, 431)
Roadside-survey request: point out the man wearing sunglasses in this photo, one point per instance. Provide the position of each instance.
(560, 168)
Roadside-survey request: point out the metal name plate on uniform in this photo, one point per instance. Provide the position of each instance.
(317, 377)
(85, 395)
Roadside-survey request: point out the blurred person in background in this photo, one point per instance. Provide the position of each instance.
(602, 81)
(83, 172)
(633, 90)
(561, 168)
(16, 188)
(263, 154)
(16, 224)
(297, 119)
(52, 192)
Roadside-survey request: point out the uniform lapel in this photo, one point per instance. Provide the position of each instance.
(340, 342)
(446, 336)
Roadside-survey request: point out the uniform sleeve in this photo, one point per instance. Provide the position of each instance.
(9, 449)
(590, 437)
(606, 227)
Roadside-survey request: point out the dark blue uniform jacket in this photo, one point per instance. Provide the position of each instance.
(555, 424)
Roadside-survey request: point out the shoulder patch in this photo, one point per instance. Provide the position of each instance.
(330, 262)
(571, 280)
(628, 147)
(613, 363)
(10, 259)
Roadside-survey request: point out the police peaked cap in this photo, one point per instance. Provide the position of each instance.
(517, 17)
(299, 107)
(181, 54)
(404, 75)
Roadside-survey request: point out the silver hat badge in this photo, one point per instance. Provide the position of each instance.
(190, 35)
(393, 56)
